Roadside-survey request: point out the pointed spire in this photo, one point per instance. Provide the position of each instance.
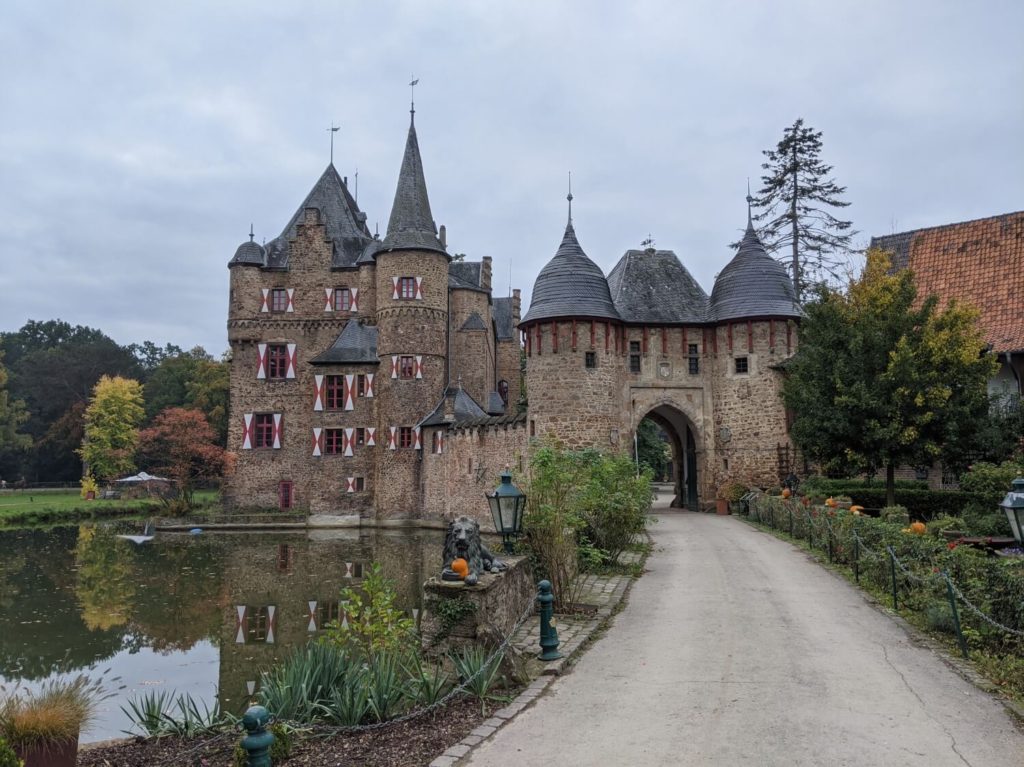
(411, 226)
(569, 198)
(750, 201)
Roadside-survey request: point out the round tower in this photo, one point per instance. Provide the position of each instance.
(411, 312)
(754, 313)
(573, 355)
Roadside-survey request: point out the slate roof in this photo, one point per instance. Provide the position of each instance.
(495, 404)
(356, 344)
(753, 284)
(411, 226)
(570, 285)
(368, 256)
(652, 286)
(473, 322)
(501, 311)
(458, 404)
(466, 271)
(980, 262)
(344, 224)
(249, 253)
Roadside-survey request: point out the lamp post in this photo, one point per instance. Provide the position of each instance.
(507, 504)
(1013, 506)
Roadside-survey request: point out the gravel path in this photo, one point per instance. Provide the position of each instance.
(737, 649)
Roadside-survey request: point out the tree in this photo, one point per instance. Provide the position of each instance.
(12, 416)
(881, 379)
(652, 450)
(794, 203)
(112, 427)
(182, 446)
(191, 379)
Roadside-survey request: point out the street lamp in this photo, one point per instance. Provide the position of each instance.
(1013, 505)
(507, 503)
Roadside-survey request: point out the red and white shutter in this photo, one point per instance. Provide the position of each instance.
(439, 442)
(264, 299)
(261, 360)
(247, 431)
(277, 431)
(417, 444)
(293, 359)
(350, 389)
(319, 390)
(271, 623)
(328, 299)
(394, 287)
(371, 436)
(240, 623)
(369, 384)
(394, 366)
(318, 442)
(419, 366)
(349, 440)
(419, 288)
(312, 618)
(392, 437)
(291, 300)
(350, 484)
(354, 300)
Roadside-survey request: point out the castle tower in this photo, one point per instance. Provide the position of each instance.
(572, 333)
(411, 275)
(754, 313)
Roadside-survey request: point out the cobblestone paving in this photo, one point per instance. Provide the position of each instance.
(604, 592)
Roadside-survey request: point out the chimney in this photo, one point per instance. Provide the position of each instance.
(485, 273)
(442, 235)
(516, 306)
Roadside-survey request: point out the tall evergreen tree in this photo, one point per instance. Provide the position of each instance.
(794, 204)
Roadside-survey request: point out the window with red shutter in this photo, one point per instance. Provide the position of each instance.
(407, 287)
(406, 438)
(263, 430)
(342, 300)
(335, 388)
(333, 444)
(277, 361)
(279, 300)
(361, 385)
(407, 367)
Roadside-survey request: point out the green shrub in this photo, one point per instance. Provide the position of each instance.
(614, 502)
(300, 688)
(159, 713)
(373, 623)
(990, 480)
(7, 756)
(478, 671)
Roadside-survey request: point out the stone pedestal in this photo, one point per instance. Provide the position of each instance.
(456, 615)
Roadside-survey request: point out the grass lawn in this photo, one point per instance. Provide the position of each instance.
(27, 507)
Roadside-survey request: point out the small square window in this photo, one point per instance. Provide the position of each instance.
(590, 359)
(342, 300)
(359, 483)
(278, 300)
(741, 364)
(406, 367)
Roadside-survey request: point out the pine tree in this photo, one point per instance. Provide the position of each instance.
(794, 203)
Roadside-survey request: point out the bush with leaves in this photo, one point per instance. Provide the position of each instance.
(372, 622)
(7, 756)
(992, 480)
(613, 504)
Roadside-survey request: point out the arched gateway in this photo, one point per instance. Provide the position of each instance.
(603, 353)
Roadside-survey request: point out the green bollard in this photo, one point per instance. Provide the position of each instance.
(259, 740)
(956, 615)
(548, 634)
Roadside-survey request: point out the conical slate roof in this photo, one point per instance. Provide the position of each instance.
(570, 285)
(652, 286)
(249, 252)
(753, 284)
(411, 226)
(344, 223)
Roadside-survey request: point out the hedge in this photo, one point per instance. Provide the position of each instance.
(922, 504)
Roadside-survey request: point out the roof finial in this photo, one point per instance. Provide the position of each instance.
(412, 96)
(332, 130)
(569, 198)
(251, 235)
(750, 200)
(648, 244)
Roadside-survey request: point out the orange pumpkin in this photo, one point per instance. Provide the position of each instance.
(830, 502)
(786, 492)
(461, 567)
(918, 528)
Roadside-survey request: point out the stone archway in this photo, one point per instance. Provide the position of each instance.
(683, 440)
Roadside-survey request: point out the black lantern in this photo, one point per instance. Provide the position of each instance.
(1013, 506)
(507, 505)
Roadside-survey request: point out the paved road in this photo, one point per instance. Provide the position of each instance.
(736, 649)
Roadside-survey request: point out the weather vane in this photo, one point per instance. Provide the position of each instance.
(332, 130)
(569, 197)
(648, 244)
(412, 93)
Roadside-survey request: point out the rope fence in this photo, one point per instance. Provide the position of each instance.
(815, 526)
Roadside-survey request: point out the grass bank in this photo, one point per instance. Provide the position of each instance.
(27, 508)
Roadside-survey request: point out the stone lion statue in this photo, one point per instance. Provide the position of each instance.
(463, 541)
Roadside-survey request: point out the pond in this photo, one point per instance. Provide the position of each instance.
(201, 614)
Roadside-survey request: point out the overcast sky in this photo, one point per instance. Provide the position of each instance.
(138, 140)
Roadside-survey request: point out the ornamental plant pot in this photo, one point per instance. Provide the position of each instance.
(721, 506)
(46, 753)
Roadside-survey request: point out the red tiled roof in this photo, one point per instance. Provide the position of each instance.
(977, 262)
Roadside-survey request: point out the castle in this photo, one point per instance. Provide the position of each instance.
(379, 379)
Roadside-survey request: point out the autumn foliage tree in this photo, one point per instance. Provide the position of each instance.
(182, 446)
(882, 379)
(112, 427)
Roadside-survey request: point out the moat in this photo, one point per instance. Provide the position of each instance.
(187, 613)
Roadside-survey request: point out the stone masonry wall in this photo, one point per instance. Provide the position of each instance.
(472, 350)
